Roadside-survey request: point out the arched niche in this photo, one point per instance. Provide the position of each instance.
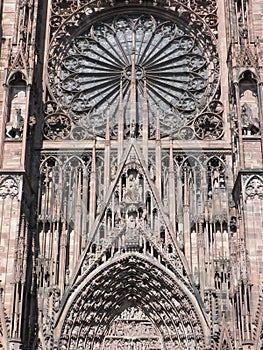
(248, 94)
(16, 109)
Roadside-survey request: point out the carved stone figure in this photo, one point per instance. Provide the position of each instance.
(254, 188)
(8, 187)
(250, 123)
(14, 128)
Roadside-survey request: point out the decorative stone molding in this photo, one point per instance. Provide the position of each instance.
(148, 290)
(9, 186)
(254, 187)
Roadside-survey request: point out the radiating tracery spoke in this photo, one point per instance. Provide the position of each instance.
(163, 55)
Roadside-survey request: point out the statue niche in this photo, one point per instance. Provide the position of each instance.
(16, 107)
(132, 187)
(249, 105)
(132, 204)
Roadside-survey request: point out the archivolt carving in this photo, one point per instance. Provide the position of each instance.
(127, 286)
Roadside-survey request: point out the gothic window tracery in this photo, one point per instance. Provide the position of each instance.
(241, 8)
(24, 21)
(132, 66)
(136, 63)
(62, 214)
(191, 183)
(216, 175)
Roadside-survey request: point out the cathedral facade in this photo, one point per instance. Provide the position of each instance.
(131, 175)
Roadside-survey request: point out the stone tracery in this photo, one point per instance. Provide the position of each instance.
(114, 76)
(130, 223)
(143, 205)
(176, 102)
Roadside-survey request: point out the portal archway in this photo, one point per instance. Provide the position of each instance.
(129, 284)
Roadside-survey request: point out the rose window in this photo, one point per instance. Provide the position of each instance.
(130, 66)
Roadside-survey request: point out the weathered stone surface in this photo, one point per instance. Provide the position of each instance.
(131, 179)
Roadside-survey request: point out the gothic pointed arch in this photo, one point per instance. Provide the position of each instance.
(17, 83)
(9, 186)
(225, 340)
(131, 281)
(131, 241)
(133, 226)
(19, 64)
(249, 103)
(131, 175)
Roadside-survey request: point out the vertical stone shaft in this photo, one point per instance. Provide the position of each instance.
(240, 137)
(158, 153)
(107, 157)
(145, 125)
(171, 187)
(92, 208)
(133, 90)
(120, 124)
(187, 236)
